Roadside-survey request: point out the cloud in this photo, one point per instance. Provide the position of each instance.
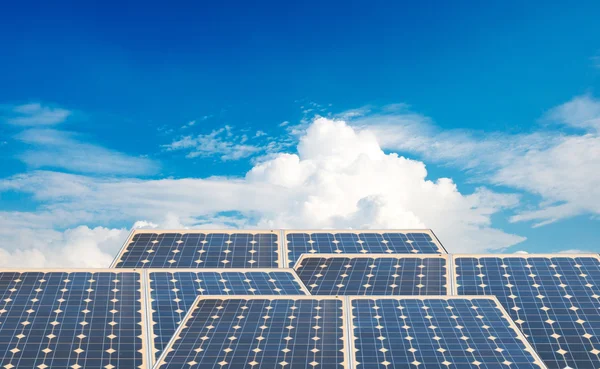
(221, 143)
(50, 148)
(581, 112)
(563, 169)
(80, 247)
(33, 114)
(339, 178)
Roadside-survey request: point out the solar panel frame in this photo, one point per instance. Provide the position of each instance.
(152, 341)
(119, 258)
(288, 257)
(445, 257)
(143, 313)
(455, 271)
(344, 309)
(519, 334)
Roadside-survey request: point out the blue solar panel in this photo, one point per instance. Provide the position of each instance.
(436, 333)
(200, 250)
(259, 333)
(377, 275)
(70, 320)
(412, 242)
(554, 300)
(173, 292)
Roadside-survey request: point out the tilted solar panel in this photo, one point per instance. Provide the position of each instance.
(361, 242)
(555, 300)
(373, 274)
(200, 249)
(260, 332)
(71, 319)
(173, 292)
(442, 332)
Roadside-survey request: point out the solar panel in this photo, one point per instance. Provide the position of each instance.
(200, 249)
(174, 291)
(259, 332)
(554, 299)
(373, 274)
(442, 332)
(361, 242)
(71, 319)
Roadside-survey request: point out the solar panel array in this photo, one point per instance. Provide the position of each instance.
(173, 292)
(357, 242)
(354, 299)
(554, 300)
(200, 250)
(373, 275)
(260, 332)
(437, 333)
(77, 320)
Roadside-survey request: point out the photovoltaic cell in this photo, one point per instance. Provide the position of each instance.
(200, 250)
(436, 333)
(70, 320)
(259, 333)
(554, 300)
(412, 242)
(173, 292)
(373, 275)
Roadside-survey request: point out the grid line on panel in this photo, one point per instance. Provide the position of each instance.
(174, 291)
(206, 249)
(255, 332)
(436, 332)
(552, 299)
(75, 319)
(373, 275)
(360, 242)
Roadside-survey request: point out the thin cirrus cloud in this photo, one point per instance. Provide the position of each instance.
(34, 114)
(563, 169)
(50, 148)
(46, 146)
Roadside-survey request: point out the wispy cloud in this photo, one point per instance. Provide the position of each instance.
(50, 148)
(564, 169)
(33, 114)
(227, 144)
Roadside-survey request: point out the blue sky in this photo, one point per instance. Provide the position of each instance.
(487, 95)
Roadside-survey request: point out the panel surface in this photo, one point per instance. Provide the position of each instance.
(200, 250)
(71, 320)
(173, 292)
(554, 300)
(437, 333)
(361, 242)
(373, 275)
(260, 333)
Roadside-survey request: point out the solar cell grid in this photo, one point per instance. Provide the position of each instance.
(259, 332)
(174, 291)
(450, 332)
(373, 274)
(554, 299)
(200, 249)
(73, 319)
(361, 242)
